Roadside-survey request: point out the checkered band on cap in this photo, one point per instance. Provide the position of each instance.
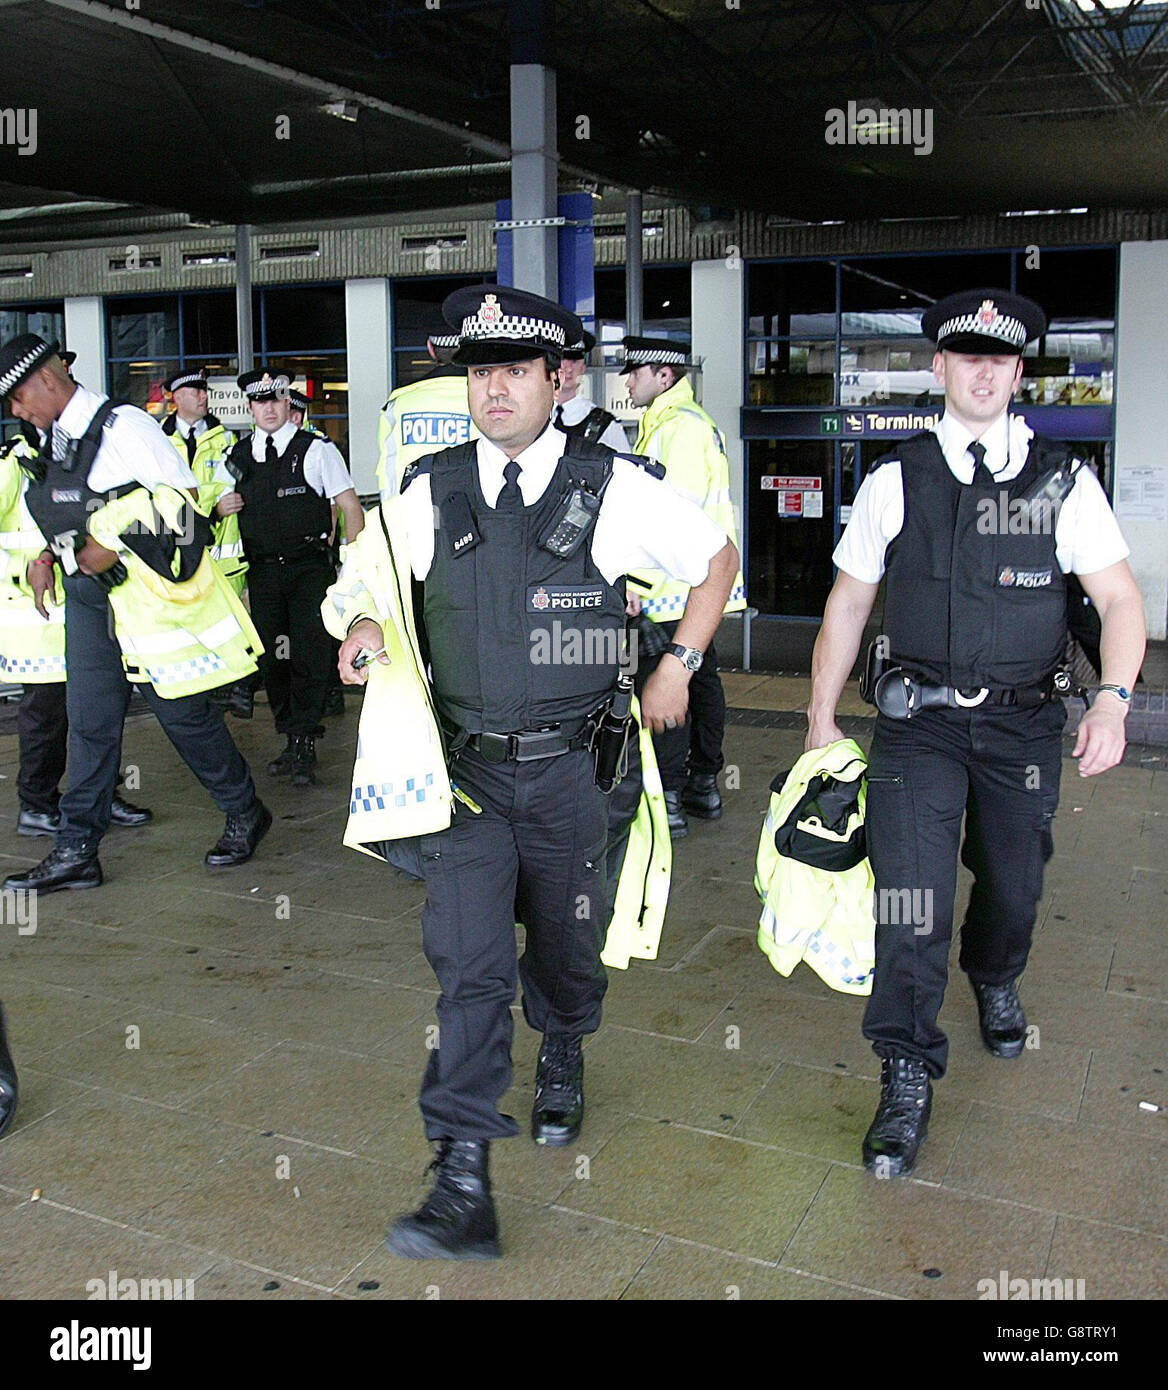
(511, 328)
(988, 321)
(25, 364)
(665, 353)
(267, 385)
(187, 379)
(444, 340)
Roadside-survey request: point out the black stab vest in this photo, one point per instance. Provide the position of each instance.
(282, 514)
(591, 427)
(59, 497)
(972, 599)
(519, 638)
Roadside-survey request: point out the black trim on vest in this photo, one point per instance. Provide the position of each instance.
(591, 427)
(57, 500)
(282, 514)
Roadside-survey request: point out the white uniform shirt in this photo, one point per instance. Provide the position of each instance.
(1087, 535)
(643, 523)
(133, 447)
(324, 467)
(579, 408)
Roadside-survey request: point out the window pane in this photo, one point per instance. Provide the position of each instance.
(790, 557)
(417, 312)
(145, 329)
(791, 298)
(1074, 287)
(308, 316)
(326, 381)
(792, 373)
(882, 371)
(47, 321)
(140, 383)
(904, 286)
(208, 324)
(667, 305)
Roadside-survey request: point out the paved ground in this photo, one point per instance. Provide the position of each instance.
(219, 1070)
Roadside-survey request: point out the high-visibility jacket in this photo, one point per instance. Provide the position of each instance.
(214, 444)
(179, 623)
(401, 787)
(420, 419)
(32, 651)
(812, 872)
(678, 433)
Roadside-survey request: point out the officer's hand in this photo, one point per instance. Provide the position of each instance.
(632, 605)
(93, 558)
(42, 580)
(1102, 736)
(665, 700)
(821, 732)
(365, 636)
(228, 503)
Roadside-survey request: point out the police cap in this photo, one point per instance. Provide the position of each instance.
(641, 352)
(20, 357)
(983, 321)
(497, 324)
(261, 385)
(580, 349)
(298, 401)
(187, 377)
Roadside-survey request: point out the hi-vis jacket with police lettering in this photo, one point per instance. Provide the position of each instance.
(677, 432)
(401, 787)
(179, 623)
(812, 872)
(32, 651)
(214, 444)
(419, 419)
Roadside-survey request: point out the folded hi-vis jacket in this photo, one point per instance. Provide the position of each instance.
(401, 786)
(32, 651)
(812, 872)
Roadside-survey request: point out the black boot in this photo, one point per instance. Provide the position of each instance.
(902, 1118)
(125, 813)
(282, 766)
(558, 1112)
(9, 1090)
(701, 797)
(1000, 1016)
(457, 1220)
(304, 761)
(241, 701)
(38, 822)
(678, 825)
(241, 834)
(67, 866)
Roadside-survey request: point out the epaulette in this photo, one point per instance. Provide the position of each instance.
(415, 470)
(654, 469)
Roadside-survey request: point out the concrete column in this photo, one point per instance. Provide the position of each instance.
(244, 330)
(634, 265)
(369, 343)
(1141, 421)
(534, 176)
(719, 333)
(85, 335)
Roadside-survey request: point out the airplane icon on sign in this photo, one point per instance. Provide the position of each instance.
(854, 423)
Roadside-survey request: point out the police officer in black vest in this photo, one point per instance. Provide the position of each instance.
(973, 527)
(286, 479)
(575, 414)
(503, 532)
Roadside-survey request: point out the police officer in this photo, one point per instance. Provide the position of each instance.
(111, 473)
(678, 433)
(973, 526)
(204, 442)
(575, 414)
(501, 536)
(286, 479)
(32, 652)
(424, 415)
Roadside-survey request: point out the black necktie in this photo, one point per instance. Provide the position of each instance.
(510, 496)
(270, 450)
(559, 417)
(192, 445)
(977, 449)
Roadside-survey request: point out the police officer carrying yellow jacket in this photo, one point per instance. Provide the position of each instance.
(32, 653)
(520, 541)
(678, 433)
(424, 415)
(204, 442)
(142, 600)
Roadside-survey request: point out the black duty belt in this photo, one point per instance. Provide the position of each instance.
(526, 746)
(900, 694)
(301, 557)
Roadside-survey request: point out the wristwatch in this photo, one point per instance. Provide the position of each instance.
(1120, 691)
(689, 657)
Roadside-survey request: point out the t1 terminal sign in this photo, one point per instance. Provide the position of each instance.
(797, 496)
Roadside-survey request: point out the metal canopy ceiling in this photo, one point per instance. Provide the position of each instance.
(177, 107)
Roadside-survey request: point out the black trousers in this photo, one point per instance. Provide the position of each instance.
(42, 727)
(535, 855)
(97, 694)
(298, 652)
(999, 769)
(696, 746)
